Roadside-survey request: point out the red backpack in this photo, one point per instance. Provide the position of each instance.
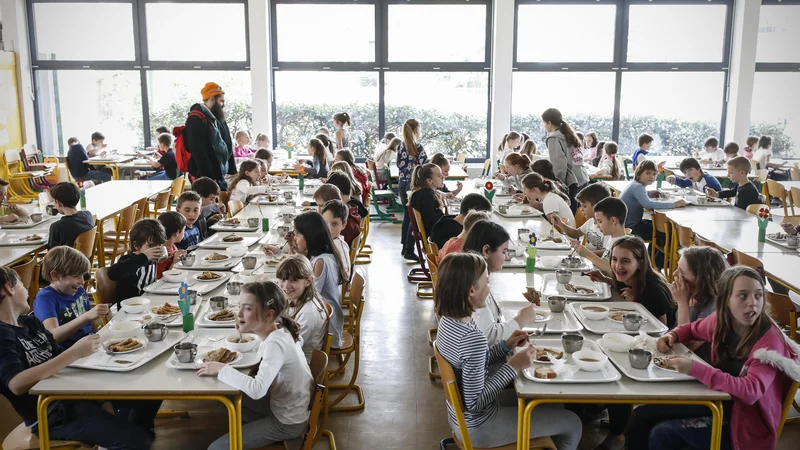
(182, 156)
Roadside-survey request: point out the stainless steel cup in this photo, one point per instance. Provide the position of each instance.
(572, 342)
(252, 222)
(563, 276)
(218, 303)
(640, 358)
(186, 352)
(557, 303)
(188, 260)
(155, 332)
(234, 287)
(249, 262)
(632, 321)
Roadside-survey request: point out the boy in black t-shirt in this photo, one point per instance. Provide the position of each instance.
(64, 231)
(450, 226)
(137, 268)
(743, 189)
(167, 165)
(29, 354)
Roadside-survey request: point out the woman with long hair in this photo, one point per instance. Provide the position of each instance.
(561, 140)
(340, 123)
(410, 154)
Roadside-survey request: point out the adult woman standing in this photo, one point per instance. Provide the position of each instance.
(410, 154)
(561, 140)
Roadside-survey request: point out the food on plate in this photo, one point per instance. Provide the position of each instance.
(275, 259)
(589, 359)
(221, 355)
(216, 257)
(778, 236)
(541, 316)
(224, 315)
(662, 363)
(569, 287)
(231, 222)
(546, 354)
(237, 340)
(209, 276)
(532, 296)
(526, 211)
(556, 240)
(545, 373)
(31, 238)
(308, 208)
(166, 309)
(617, 315)
(124, 345)
(232, 238)
(594, 308)
(123, 361)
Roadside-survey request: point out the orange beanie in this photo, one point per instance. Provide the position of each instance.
(211, 89)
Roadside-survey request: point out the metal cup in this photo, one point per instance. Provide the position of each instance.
(187, 260)
(234, 287)
(192, 295)
(164, 254)
(557, 303)
(523, 233)
(252, 222)
(502, 208)
(572, 342)
(632, 321)
(288, 195)
(155, 332)
(793, 241)
(563, 276)
(186, 352)
(640, 358)
(283, 230)
(218, 303)
(249, 262)
(36, 217)
(701, 200)
(51, 210)
(512, 253)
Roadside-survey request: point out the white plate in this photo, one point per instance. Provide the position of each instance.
(563, 322)
(217, 261)
(16, 239)
(553, 262)
(550, 286)
(202, 356)
(216, 242)
(543, 315)
(26, 223)
(516, 212)
(221, 322)
(539, 344)
(197, 276)
(608, 374)
(666, 369)
(562, 289)
(110, 342)
(542, 244)
(651, 326)
(162, 287)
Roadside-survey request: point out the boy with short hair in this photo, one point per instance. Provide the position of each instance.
(98, 144)
(12, 212)
(609, 214)
(174, 226)
(335, 213)
(696, 178)
(166, 165)
(196, 227)
(743, 189)
(352, 228)
(81, 171)
(212, 211)
(450, 226)
(137, 268)
(588, 197)
(640, 154)
(63, 306)
(712, 154)
(341, 181)
(73, 223)
(30, 354)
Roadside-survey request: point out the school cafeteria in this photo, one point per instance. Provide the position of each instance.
(400, 224)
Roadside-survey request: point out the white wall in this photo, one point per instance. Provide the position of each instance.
(15, 38)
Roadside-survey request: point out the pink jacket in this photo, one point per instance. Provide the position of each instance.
(759, 391)
(243, 152)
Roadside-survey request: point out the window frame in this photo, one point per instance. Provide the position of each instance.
(781, 66)
(141, 62)
(381, 63)
(620, 65)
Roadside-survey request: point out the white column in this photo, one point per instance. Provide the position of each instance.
(15, 39)
(260, 65)
(502, 68)
(742, 70)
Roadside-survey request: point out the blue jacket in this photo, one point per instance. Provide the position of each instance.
(711, 182)
(636, 154)
(636, 199)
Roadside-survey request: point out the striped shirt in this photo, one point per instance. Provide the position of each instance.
(464, 346)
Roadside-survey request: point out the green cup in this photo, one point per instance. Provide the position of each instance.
(188, 322)
(264, 224)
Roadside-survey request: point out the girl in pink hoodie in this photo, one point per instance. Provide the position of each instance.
(751, 360)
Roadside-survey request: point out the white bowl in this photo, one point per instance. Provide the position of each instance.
(236, 250)
(135, 305)
(124, 328)
(174, 276)
(618, 342)
(599, 360)
(594, 315)
(251, 276)
(242, 348)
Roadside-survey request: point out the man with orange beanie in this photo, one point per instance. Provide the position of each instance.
(208, 139)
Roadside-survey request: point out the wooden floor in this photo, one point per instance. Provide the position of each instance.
(405, 410)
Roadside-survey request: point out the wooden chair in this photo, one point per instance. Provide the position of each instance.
(29, 276)
(176, 189)
(794, 174)
(363, 254)
(753, 209)
(21, 438)
(754, 165)
(661, 225)
(351, 348)
(701, 241)
(794, 220)
(15, 171)
(744, 259)
(223, 198)
(142, 210)
(775, 189)
(681, 238)
(354, 255)
(580, 219)
(234, 206)
(784, 312)
(794, 195)
(346, 285)
(487, 168)
(424, 287)
(124, 223)
(162, 204)
(85, 243)
(434, 267)
(453, 397)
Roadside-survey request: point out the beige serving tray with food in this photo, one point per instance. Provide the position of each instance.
(222, 240)
(652, 373)
(162, 287)
(569, 372)
(609, 324)
(215, 260)
(126, 362)
(579, 288)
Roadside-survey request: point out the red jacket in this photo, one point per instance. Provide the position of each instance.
(353, 226)
(363, 179)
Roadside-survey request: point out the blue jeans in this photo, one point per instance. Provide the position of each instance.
(663, 427)
(407, 234)
(87, 422)
(95, 175)
(160, 176)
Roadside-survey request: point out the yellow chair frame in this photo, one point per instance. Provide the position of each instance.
(353, 349)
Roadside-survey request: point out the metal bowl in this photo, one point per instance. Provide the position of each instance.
(633, 321)
(557, 303)
(186, 352)
(640, 358)
(563, 276)
(234, 287)
(155, 332)
(218, 303)
(572, 262)
(572, 342)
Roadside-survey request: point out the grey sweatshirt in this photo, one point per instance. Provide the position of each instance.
(561, 159)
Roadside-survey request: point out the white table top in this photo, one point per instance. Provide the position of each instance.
(781, 266)
(692, 213)
(109, 197)
(456, 172)
(741, 235)
(790, 184)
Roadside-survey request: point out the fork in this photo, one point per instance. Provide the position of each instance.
(536, 333)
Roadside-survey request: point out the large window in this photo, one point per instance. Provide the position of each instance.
(622, 68)
(135, 65)
(388, 61)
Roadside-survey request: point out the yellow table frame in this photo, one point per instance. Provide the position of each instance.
(525, 411)
(234, 407)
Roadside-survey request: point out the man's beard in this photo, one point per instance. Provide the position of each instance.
(218, 110)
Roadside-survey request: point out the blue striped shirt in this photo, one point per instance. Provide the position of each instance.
(466, 349)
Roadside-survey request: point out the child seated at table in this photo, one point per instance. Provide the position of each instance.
(283, 374)
(490, 240)
(588, 197)
(731, 151)
(743, 189)
(188, 206)
(335, 213)
(317, 166)
(359, 175)
(212, 211)
(696, 178)
(455, 244)
(752, 361)
(612, 166)
(137, 268)
(30, 354)
(609, 215)
(11, 212)
(73, 223)
(440, 160)
(425, 180)
(342, 177)
(518, 166)
(174, 227)
(245, 185)
(713, 154)
(645, 141)
(555, 204)
(81, 171)
(98, 145)
(166, 165)
(296, 278)
(328, 192)
(64, 307)
(751, 147)
(242, 149)
(450, 226)
(490, 410)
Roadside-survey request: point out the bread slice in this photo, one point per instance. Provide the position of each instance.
(545, 373)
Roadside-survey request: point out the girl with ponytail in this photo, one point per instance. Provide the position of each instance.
(554, 203)
(342, 136)
(426, 180)
(517, 167)
(296, 278)
(510, 144)
(561, 140)
(611, 165)
(283, 371)
(410, 154)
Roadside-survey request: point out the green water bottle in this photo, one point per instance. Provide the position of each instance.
(83, 198)
(264, 224)
(188, 322)
(530, 262)
(301, 181)
(660, 179)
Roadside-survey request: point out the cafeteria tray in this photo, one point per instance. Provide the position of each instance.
(215, 241)
(651, 326)
(177, 321)
(27, 223)
(563, 322)
(553, 262)
(204, 345)
(550, 286)
(243, 226)
(200, 319)
(103, 362)
(652, 373)
(573, 374)
(515, 212)
(15, 239)
(161, 286)
(199, 264)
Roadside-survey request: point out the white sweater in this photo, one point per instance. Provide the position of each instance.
(245, 188)
(313, 329)
(283, 372)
